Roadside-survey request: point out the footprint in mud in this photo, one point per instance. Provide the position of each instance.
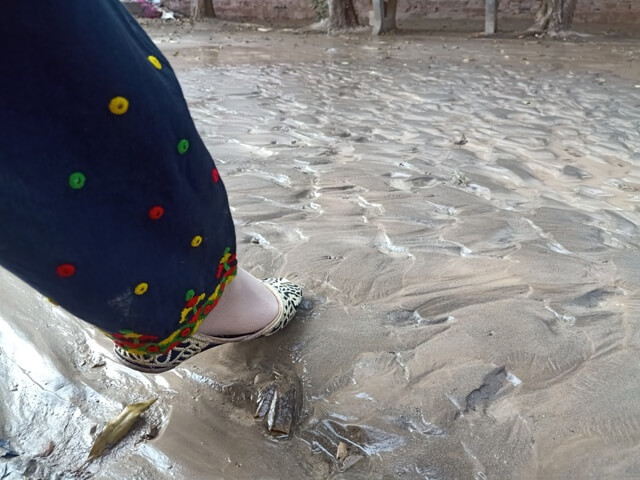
(593, 298)
(576, 172)
(422, 181)
(494, 384)
(411, 318)
(344, 444)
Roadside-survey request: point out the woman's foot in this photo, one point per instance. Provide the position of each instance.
(246, 306)
(257, 308)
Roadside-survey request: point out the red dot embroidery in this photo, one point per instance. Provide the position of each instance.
(185, 332)
(156, 212)
(65, 270)
(192, 303)
(215, 175)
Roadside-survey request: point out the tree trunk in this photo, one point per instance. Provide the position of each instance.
(554, 16)
(342, 14)
(202, 9)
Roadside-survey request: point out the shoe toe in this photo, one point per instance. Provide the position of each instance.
(290, 295)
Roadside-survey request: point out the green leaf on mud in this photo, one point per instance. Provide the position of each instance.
(117, 428)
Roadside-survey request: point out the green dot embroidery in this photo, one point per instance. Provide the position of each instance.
(189, 295)
(183, 146)
(77, 180)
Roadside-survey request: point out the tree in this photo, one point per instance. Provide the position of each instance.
(202, 9)
(553, 16)
(342, 14)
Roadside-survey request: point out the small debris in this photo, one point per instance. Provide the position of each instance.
(167, 14)
(117, 428)
(47, 451)
(6, 451)
(98, 362)
(459, 179)
(280, 419)
(342, 451)
(350, 461)
(277, 404)
(345, 457)
(151, 434)
(266, 397)
(463, 140)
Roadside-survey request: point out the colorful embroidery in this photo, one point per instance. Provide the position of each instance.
(192, 316)
(155, 62)
(118, 105)
(77, 180)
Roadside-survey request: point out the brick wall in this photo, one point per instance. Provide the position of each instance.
(620, 12)
(609, 11)
(453, 9)
(264, 9)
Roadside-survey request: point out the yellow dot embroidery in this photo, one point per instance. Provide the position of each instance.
(141, 288)
(197, 240)
(155, 62)
(118, 105)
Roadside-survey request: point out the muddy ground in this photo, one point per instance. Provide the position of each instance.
(463, 215)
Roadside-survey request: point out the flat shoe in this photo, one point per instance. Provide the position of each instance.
(289, 296)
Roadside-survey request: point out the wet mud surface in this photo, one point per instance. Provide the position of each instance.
(463, 216)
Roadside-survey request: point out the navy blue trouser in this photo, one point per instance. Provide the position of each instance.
(110, 204)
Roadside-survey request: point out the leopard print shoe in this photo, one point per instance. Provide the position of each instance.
(289, 296)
